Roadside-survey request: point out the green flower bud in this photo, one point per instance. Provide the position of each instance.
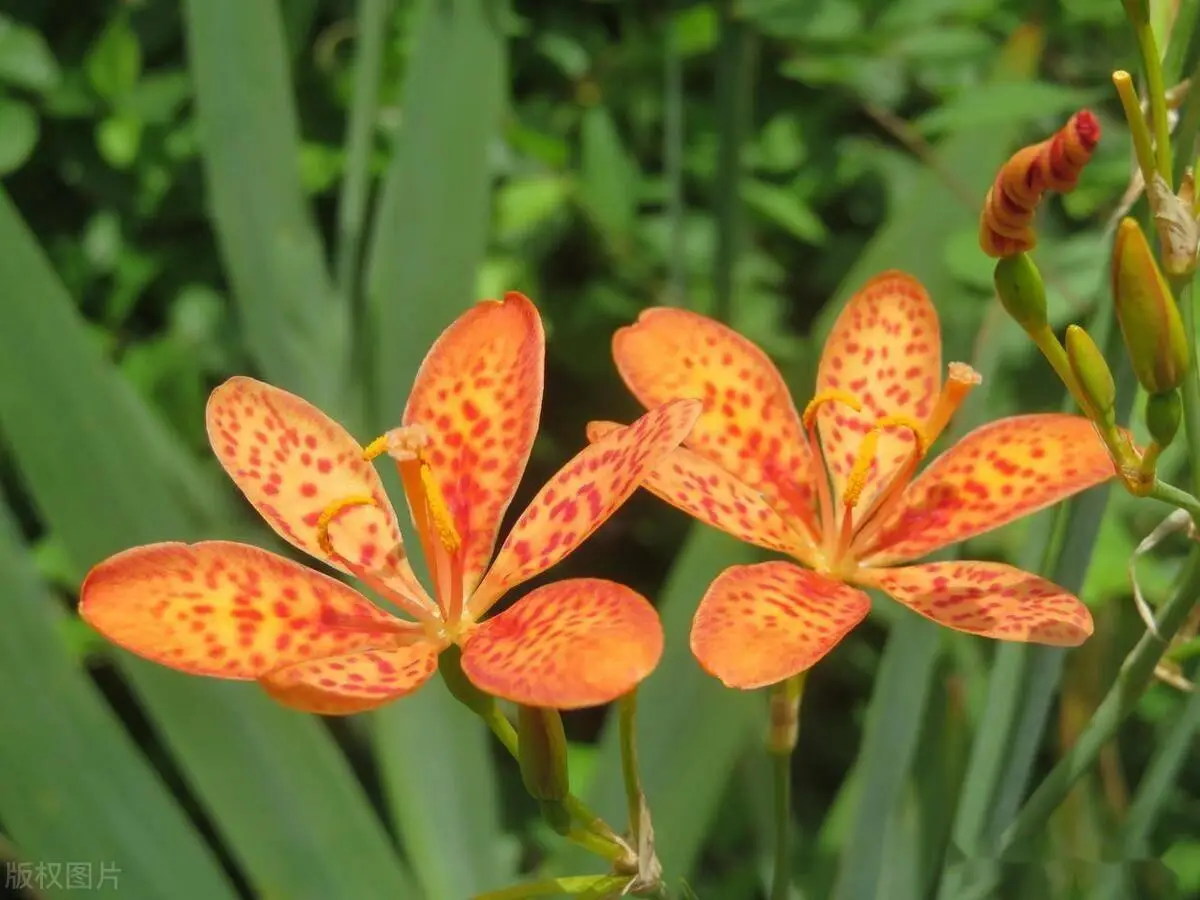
(1163, 415)
(1093, 375)
(1150, 320)
(543, 757)
(1021, 291)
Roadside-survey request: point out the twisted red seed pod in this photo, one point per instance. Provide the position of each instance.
(1006, 225)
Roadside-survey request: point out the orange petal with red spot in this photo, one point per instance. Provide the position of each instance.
(988, 599)
(886, 350)
(353, 682)
(580, 642)
(479, 393)
(230, 610)
(749, 426)
(760, 624)
(581, 496)
(292, 461)
(701, 488)
(1004, 470)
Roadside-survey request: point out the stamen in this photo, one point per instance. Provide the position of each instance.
(857, 479)
(402, 444)
(961, 380)
(832, 395)
(331, 512)
(372, 579)
(439, 511)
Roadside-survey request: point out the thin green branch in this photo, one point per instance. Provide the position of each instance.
(1155, 86)
(781, 880)
(573, 886)
(1191, 383)
(627, 726)
(1181, 499)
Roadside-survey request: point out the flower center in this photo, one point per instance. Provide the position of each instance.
(855, 524)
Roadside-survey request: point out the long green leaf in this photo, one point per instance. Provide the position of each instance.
(73, 786)
(690, 728)
(431, 222)
(273, 781)
(272, 253)
(427, 246)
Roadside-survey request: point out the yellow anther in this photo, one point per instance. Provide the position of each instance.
(377, 447)
(331, 512)
(439, 511)
(403, 444)
(899, 420)
(832, 395)
(857, 479)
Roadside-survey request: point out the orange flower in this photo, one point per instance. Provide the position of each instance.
(751, 467)
(234, 611)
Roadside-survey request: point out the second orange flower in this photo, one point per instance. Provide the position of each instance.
(834, 488)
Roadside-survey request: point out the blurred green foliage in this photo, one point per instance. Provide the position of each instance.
(309, 190)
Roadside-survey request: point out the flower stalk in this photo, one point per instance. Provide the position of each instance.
(782, 736)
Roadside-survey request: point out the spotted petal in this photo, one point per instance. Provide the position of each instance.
(479, 393)
(292, 461)
(760, 624)
(988, 599)
(749, 426)
(581, 496)
(230, 610)
(885, 349)
(353, 682)
(701, 488)
(570, 644)
(1004, 470)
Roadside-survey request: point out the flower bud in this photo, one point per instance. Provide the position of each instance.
(1021, 291)
(1163, 415)
(1093, 375)
(543, 758)
(1150, 321)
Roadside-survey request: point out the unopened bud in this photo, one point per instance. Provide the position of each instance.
(543, 758)
(1163, 415)
(1020, 289)
(1093, 375)
(1150, 321)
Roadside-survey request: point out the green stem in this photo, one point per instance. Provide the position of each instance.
(781, 742)
(1121, 699)
(352, 208)
(1184, 293)
(1168, 493)
(782, 877)
(610, 845)
(627, 727)
(598, 885)
(1156, 87)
